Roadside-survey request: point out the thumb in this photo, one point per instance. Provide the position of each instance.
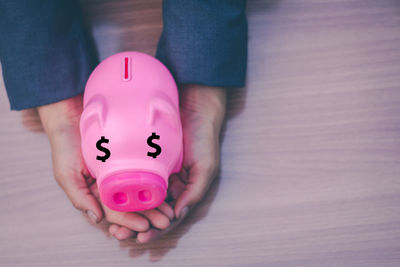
(81, 197)
(198, 183)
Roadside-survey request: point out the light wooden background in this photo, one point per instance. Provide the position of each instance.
(310, 171)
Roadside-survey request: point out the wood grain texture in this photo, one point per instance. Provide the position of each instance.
(310, 172)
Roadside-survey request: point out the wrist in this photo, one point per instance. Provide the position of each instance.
(209, 100)
(62, 115)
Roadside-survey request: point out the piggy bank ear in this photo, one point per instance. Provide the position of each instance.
(162, 109)
(95, 111)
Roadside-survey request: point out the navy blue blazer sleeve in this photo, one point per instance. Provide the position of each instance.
(45, 53)
(205, 41)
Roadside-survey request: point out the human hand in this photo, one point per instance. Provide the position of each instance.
(126, 224)
(202, 113)
(60, 121)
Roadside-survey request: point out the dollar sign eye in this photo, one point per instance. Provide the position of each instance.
(153, 145)
(99, 146)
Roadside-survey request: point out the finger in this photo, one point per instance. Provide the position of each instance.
(175, 186)
(95, 190)
(198, 183)
(167, 210)
(130, 220)
(88, 177)
(148, 236)
(120, 232)
(82, 198)
(154, 234)
(123, 233)
(183, 174)
(157, 218)
(113, 228)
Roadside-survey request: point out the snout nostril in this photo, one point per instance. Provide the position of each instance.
(120, 198)
(144, 195)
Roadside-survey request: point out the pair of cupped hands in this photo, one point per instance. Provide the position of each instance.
(202, 111)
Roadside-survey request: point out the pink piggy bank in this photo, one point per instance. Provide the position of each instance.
(131, 130)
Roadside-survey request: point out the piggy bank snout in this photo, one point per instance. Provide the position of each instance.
(133, 191)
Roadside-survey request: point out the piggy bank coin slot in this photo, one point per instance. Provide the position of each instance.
(126, 69)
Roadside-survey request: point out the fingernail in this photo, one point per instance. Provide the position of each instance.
(118, 236)
(112, 231)
(92, 216)
(184, 211)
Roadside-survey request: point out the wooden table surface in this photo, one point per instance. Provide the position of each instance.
(310, 172)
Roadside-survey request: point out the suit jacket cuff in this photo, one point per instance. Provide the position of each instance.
(46, 54)
(205, 42)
